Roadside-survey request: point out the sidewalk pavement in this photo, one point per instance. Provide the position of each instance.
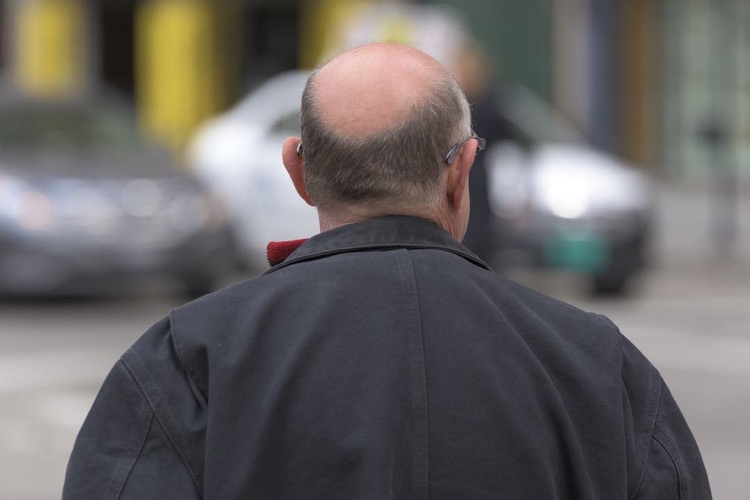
(686, 229)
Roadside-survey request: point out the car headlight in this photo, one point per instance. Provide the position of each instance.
(566, 198)
(189, 212)
(24, 206)
(11, 190)
(142, 197)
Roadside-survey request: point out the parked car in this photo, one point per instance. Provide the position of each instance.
(239, 155)
(85, 201)
(558, 203)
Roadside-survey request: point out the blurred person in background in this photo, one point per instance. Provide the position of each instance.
(381, 358)
(474, 72)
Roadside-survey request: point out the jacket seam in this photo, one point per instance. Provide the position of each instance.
(162, 414)
(417, 365)
(651, 413)
(193, 377)
(676, 463)
(126, 464)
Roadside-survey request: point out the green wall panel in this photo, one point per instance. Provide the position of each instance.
(517, 34)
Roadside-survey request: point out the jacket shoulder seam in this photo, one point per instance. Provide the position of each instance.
(650, 413)
(125, 467)
(194, 379)
(663, 441)
(159, 407)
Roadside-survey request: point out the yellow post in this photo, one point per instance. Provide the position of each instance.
(322, 26)
(177, 83)
(638, 47)
(228, 51)
(51, 47)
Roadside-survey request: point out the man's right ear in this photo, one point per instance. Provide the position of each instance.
(292, 157)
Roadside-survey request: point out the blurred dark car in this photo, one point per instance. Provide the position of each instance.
(85, 202)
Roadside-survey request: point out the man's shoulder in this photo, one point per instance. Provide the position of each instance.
(188, 334)
(517, 299)
(544, 321)
(532, 300)
(213, 312)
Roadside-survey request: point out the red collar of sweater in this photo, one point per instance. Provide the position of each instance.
(278, 251)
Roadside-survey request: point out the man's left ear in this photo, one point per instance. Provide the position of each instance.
(291, 156)
(458, 175)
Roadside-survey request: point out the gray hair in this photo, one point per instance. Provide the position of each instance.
(402, 165)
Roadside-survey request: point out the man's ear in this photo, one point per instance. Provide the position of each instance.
(293, 162)
(458, 175)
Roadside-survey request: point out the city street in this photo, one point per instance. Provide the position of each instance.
(151, 139)
(691, 322)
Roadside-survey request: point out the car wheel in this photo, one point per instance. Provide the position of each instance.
(610, 282)
(625, 262)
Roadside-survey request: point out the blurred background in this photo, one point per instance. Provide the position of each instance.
(140, 167)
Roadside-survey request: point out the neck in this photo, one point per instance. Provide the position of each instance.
(331, 219)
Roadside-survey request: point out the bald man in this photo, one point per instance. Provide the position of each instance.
(381, 359)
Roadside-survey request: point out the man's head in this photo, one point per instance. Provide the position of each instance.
(377, 123)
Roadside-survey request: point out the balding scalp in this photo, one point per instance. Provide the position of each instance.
(370, 89)
(376, 122)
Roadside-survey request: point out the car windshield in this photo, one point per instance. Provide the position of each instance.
(537, 118)
(70, 130)
(279, 94)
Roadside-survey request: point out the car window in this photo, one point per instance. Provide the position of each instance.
(537, 118)
(44, 130)
(288, 124)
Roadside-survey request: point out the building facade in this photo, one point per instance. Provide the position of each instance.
(664, 84)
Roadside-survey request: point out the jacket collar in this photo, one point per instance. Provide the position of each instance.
(380, 233)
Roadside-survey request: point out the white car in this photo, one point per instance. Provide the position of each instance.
(239, 155)
(558, 204)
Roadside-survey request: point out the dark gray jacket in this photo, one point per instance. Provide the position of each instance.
(382, 360)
